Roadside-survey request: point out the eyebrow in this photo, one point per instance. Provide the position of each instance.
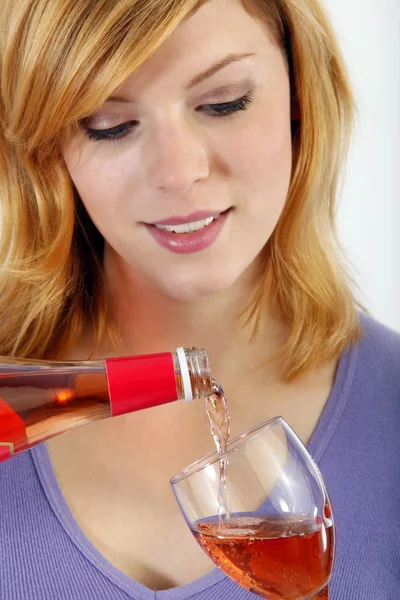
(218, 66)
(221, 64)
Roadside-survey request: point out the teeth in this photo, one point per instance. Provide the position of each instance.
(187, 227)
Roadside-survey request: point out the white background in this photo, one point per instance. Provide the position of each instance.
(369, 211)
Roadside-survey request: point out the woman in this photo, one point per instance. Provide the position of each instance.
(168, 178)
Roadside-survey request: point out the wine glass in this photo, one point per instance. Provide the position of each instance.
(275, 535)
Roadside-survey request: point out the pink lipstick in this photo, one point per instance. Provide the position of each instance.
(189, 234)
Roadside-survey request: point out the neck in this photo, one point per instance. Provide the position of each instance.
(149, 321)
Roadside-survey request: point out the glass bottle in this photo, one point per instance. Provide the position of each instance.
(40, 399)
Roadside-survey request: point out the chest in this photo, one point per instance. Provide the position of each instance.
(123, 502)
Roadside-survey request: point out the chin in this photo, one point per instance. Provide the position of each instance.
(192, 288)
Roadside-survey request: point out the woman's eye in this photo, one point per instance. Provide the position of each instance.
(113, 134)
(214, 110)
(227, 108)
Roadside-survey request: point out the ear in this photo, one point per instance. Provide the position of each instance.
(295, 114)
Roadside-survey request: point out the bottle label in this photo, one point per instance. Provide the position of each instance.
(12, 430)
(138, 382)
(6, 450)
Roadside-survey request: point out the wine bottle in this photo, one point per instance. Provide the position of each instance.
(39, 399)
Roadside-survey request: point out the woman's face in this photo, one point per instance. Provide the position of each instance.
(203, 126)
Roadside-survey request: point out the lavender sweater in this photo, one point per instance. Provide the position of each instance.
(45, 556)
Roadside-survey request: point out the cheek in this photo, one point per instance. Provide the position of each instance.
(103, 182)
(262, 158)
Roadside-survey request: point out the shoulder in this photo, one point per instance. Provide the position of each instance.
(379, 337)
(379, 334)
(379, 352)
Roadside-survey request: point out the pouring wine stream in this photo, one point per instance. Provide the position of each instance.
(219, 418)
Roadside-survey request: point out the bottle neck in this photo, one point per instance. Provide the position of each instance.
(192, 372)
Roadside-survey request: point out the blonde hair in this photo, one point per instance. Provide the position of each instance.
(59, 62)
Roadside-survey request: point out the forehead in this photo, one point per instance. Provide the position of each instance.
(216, 29)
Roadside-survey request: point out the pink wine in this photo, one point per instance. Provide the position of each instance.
(275, 558)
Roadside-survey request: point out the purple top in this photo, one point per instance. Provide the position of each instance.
(44, 555)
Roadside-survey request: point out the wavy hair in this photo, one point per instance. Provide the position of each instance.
(59, 61)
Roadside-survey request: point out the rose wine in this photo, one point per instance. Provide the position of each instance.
(40, 399)
(275, 558)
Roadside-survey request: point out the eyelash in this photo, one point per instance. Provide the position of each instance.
(120, 131)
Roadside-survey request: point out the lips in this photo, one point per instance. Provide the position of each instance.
(195, 241)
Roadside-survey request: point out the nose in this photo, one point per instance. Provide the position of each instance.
(176, 157)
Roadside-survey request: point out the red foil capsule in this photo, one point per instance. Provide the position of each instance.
(137, 382)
